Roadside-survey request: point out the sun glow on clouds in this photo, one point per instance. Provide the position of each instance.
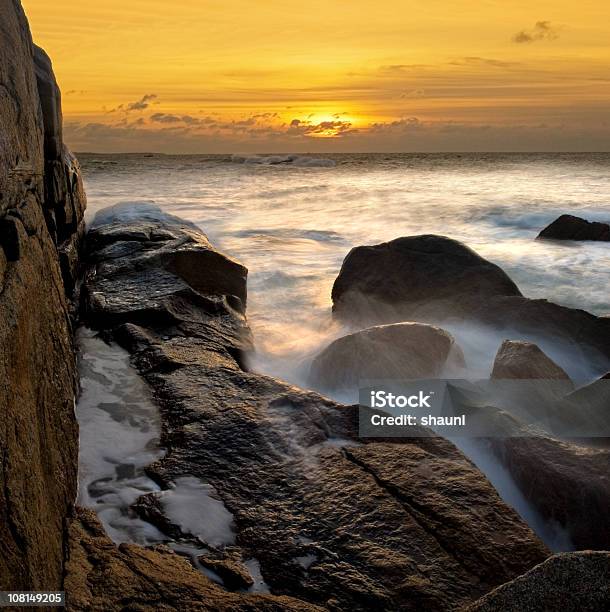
(291, 76)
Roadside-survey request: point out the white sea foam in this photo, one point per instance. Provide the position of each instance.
(119, 437)
(195, 507)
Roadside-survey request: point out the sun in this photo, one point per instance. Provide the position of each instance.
(330, 124)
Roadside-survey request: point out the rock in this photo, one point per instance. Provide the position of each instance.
(230, 569)
(332, 521)
(569, 227)
(525, 360)
(432, 279)
(568, 484)
(392, 281)
(64, 193)
(572, 582)
(39, 433)
(399, 351)
(102, 576)
(583, 415)
(155, 267)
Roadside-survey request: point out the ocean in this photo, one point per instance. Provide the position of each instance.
(291, 220)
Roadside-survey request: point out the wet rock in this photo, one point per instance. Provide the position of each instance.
(39, 434)
(572, 582)
(399, 351)
(407, 525)
(525, 360)
(102, 576)
(569, 227)
(585, 413)
(567, 483)
(433, 279)
(392, 281)
(230, 568)
(158, 270)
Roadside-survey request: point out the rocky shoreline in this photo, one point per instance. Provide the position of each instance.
(333, 521)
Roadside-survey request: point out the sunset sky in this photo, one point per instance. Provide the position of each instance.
(333, 75)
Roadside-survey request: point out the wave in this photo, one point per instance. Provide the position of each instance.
(301, 161)
(287, 233)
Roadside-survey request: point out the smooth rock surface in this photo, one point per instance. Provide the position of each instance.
(406, 525)
(38, 430)
(398, 351)
(433, 279)
(571, 582)
(392, 281)
(569, 227)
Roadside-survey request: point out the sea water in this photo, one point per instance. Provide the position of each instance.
(292, 219)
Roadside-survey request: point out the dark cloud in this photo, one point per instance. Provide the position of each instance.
(164, 118)
(406, 134)
(141, 104)
(542, 30)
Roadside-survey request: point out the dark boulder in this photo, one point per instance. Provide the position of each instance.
(571, 582)
(567, 483)
(433, 279)
(398, 351)
(395, 280)
(569, 227)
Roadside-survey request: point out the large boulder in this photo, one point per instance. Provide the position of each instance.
(410, 525)
(433, 279)
(395, 280)
(398, 351)
(146, 266)
(569, 227)
(39, 433)
(572, 582)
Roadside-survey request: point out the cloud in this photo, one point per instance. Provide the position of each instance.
(142, 103)
(401, 68)
(328, 129)
(410, 133)
(165, 118)
(482, 61)
(413, 93)
(542, 30)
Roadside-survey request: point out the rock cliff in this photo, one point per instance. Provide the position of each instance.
(41, 220)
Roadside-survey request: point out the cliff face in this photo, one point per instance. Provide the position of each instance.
(41, 222)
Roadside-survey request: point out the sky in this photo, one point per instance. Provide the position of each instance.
(226, 76)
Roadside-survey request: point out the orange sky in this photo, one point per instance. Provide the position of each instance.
(338, 75)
